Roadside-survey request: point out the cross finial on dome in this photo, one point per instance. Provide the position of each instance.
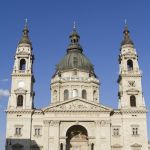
(126, 27)
(74, 25)
(125, 22)
(26, 22)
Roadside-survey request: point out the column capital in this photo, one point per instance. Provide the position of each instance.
(102, 123)
(54, 123)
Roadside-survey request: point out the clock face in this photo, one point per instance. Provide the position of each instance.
(21, 84)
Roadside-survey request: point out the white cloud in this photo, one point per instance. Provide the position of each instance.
(4, 93)
(4, 80)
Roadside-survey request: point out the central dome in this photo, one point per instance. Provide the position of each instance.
(75, 59)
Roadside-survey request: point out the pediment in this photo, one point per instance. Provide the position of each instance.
(20, 91)
(77, 105)
(132, 91)
(23, 53)
(136, 145)
(116, 146)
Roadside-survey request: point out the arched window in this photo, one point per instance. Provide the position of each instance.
(22, 64)
(61, 146)
(92, 146)
(132, 101)
(84, 94)
(77, 136)
(66, 95)
(20, 101)
(94, 95)
(75, 93)
(130, 65)
(55, 96)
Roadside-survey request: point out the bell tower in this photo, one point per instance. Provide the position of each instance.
(130, 86)
(22, 94)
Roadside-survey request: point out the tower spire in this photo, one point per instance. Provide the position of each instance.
(130, 87)
(25, 38)
(126, 32)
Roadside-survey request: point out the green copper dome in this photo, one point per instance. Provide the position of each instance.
(75, 59)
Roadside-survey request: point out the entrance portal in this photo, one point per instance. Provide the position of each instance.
(77, 138)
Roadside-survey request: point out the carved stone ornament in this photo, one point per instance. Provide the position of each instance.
(131, 83)
(132, 91)
(20, 91)
(54, 123)
(46, 122)
(102, 123)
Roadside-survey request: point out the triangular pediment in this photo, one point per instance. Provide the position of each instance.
(76, 105)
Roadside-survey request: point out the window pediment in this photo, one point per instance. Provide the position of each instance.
(136, 145)
(116, 146)
(20, 91)
(132, 91)
(24, 53)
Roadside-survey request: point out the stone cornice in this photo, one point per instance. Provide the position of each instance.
(21, 111)
(128, 111)
(130, 75)
(21, 74)
(112, 112)
(76, 81)
(116, 112)
(136, 110)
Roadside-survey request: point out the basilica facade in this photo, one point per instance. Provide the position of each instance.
(76, 119)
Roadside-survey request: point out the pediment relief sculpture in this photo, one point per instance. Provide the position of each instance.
(77, 105)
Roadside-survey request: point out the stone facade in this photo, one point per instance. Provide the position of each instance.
(75, 119)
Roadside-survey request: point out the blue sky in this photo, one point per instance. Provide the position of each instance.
(100, 24)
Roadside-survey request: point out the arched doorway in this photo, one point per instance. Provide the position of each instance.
(77, 138)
